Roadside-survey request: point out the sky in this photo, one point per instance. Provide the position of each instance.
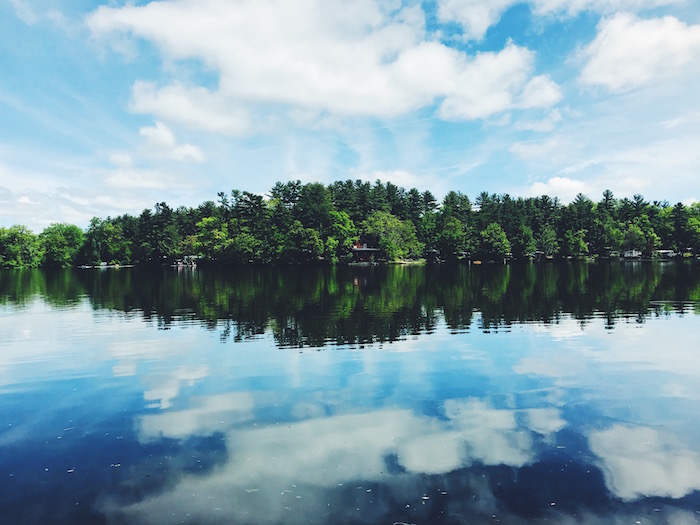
(108, 107)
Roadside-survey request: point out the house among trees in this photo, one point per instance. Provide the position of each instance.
(361, 252)
(664, 254)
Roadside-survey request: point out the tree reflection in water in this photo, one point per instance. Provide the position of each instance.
(310, 306)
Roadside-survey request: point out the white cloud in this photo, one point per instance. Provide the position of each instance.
(563, 187)
(358, 57)
(496, 82)
(121, 159)
(400, 178)
(540, 92)
(195, 107)
(629, 52)
(544, 125)
(161, 142)
(24, 11)
(668, 167)
(159, 136)
(38, 209)
(475, 16)
(141, 178)
(536, 149)
(640, 462)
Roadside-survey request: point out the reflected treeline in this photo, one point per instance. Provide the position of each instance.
(358, 305)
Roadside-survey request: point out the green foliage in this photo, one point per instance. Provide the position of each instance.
(60, 244)
(330, 250)
(457, 205)
(302, 244)
(212, 239)
(427, 231)
(493, 242)
(104, 241)
(641, 236)
(694, 233)
(314, 206)
(246, 228)
(343, 233)
(453, 239)
(634, 238)
(574, 243)
(523, 242)
(547, 242)
(19, 248)
(395, 238)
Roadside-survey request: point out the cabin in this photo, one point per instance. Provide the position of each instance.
(362, 253)
(664, 254)
(187, 261)
(632, 254)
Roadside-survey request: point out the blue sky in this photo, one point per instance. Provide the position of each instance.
(109, 107)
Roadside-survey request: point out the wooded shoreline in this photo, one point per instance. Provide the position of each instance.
(299, 223)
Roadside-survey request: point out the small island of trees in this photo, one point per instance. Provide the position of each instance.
(303, 223)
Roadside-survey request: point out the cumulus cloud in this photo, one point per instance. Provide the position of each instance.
(398, 177)
(475, 16)
(563, 187)
(496, 82)
(160, 141)
(357, 57)
(195, 107)
(629, 52)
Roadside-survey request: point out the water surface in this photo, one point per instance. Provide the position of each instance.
(565, 393)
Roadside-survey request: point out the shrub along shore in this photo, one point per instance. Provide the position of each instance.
(303, 223)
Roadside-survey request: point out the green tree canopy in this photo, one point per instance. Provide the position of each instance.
(60, 244)
(19, 248)
(396, 238)
(493, 243)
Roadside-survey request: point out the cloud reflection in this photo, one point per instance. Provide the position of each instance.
(271, 468)
(639, 462)
(212, 414)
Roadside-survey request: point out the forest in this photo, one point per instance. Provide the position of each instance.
(299, 223)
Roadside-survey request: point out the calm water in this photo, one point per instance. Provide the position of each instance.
(558, 393)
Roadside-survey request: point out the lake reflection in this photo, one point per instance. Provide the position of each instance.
(567, 393)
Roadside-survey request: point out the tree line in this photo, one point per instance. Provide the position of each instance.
(301, 223)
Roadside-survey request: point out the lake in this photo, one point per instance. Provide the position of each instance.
(528, 393)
